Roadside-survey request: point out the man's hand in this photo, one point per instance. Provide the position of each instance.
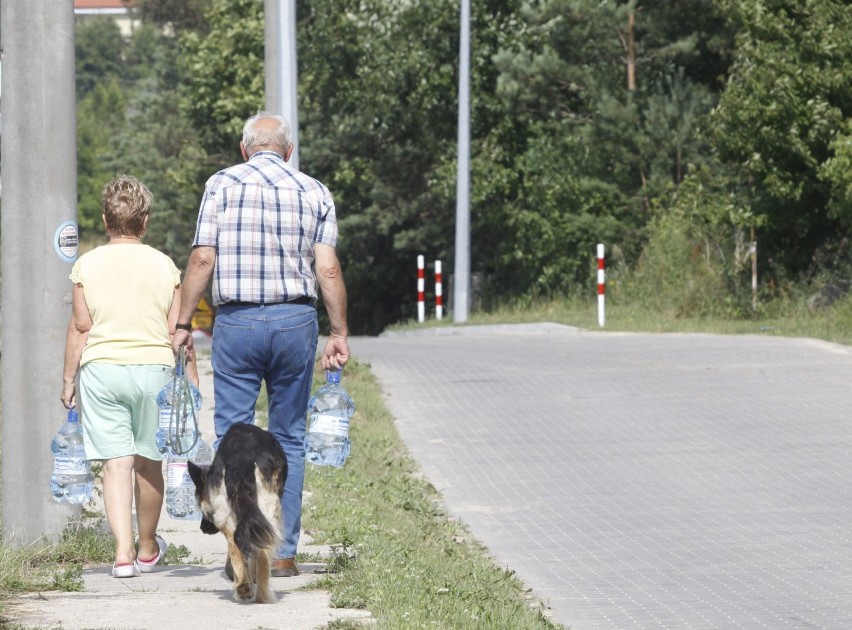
(335, 354)
(184, 338)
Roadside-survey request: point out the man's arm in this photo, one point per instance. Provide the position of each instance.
(199, 270)
(174, 313)
(330, 279)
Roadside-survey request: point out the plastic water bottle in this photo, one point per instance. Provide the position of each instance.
(72, 479)
(329, 411)
(178, 414)
(180, 490)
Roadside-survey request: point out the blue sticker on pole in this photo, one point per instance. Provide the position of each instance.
(65, 241)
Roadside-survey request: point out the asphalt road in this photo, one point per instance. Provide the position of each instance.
(640, 481)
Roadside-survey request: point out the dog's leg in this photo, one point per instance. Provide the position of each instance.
(261, 565)
(243, 589)
(251, 571)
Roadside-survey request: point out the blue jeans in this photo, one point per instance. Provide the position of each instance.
(274, 343)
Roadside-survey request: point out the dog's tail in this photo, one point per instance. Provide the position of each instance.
(254, 531)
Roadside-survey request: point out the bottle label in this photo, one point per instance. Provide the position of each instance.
(176, 429)
(333, 425)
(177, 474)
(70, 466)
(165, 417)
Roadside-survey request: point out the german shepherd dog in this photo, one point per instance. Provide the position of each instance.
(240, 495)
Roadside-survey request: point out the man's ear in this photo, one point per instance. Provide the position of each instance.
(288, 152)
(243, 151)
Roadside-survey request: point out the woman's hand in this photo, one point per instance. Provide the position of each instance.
(69, 395)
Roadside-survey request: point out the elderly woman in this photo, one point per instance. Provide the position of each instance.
(126, 298)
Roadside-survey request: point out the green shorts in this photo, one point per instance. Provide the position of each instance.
(119, 409)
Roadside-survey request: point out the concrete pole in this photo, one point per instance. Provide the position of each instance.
(280, 65)
(39, 244)
(461, 282)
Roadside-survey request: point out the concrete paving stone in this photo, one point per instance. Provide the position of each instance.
(639, 480)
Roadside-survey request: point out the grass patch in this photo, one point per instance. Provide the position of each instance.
(782, 317)
(54, 565)
(57, 564)
(396, 552)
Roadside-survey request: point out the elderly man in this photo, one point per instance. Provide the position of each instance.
(266, 235)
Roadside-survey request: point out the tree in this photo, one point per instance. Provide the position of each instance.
(223, 75)
(378, 106)
(186, 15)
(104, 77)
(601, 151)
(128, 121)
(99, 50)
(783, 118)
(161, 147)
(99, 115)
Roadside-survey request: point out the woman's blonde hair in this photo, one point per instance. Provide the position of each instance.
(126, 202)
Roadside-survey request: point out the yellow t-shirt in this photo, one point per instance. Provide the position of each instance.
(129, 291)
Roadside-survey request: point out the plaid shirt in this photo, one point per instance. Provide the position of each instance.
(264, 218)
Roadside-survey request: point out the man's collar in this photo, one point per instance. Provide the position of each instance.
(267, 154)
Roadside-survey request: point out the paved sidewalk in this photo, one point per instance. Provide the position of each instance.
(640, 481)
(187, 596)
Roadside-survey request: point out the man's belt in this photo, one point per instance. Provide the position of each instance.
(303, 300)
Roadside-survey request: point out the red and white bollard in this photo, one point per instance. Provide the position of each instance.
(601, 285)
(439, 292)
(421, 290)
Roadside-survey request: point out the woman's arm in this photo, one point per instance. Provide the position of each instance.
(75, 341)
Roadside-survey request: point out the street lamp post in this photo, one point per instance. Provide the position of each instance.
(461, 281)
(39, 244)
(280, 65)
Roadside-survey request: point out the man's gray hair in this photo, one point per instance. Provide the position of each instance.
(253, 137)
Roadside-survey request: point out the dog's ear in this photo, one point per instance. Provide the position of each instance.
(197, 473)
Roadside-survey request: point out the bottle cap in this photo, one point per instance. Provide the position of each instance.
(333, 376)
(73, 416)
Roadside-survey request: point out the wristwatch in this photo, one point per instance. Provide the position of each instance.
(184, 327)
